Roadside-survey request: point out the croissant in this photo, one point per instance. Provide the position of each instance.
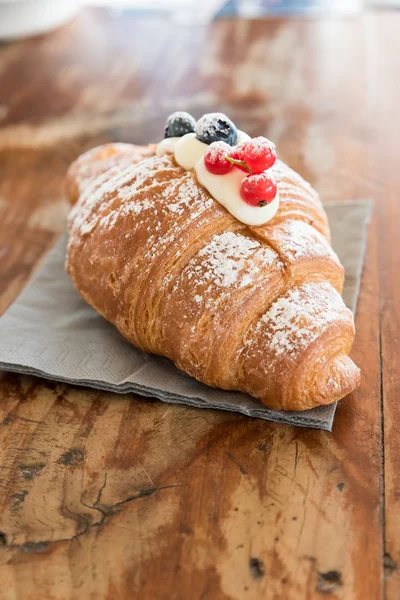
(252, 309)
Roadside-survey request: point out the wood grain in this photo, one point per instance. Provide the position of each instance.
(104, 496)
(386, 170)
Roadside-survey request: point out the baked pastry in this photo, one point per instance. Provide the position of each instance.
(178, 270)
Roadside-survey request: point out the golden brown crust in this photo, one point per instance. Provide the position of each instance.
(98, 160)
(237, 307)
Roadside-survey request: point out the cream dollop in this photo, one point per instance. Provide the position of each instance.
(189, 154)
(226, 190)
(166, 145)
(188, 149)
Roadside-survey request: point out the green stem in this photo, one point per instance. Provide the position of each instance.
(239, 163)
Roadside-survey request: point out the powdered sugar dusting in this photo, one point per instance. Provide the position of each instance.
(225, 255)
(189, 199)
(107, 183)
(137, 207)
(187, 193)
(300, 240)
(300, 316)
(230, 260)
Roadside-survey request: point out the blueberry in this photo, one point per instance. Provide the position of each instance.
(216, 127)
(178, 124)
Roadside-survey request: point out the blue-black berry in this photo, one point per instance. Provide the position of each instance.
(178, 124)
(216, 127)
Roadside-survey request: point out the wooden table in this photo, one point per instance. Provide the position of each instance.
(105, 496)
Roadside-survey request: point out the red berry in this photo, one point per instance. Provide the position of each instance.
(215, 158)
(259, 154)
(258, 189)
(236, 154)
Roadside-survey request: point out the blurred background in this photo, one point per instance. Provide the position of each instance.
(29, 17)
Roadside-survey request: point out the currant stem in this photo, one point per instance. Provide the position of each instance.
(240, 163)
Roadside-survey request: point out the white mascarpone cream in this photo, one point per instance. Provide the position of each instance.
(167, 145)
(226, 189)
(189, 154)
(188, 150)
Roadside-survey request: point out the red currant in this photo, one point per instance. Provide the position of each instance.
(259, 154)
(215, 158)
(258, 189)
(236, 154)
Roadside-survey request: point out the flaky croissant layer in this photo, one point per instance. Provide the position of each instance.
(251, 309)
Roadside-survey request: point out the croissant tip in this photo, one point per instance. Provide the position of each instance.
(342, 378)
